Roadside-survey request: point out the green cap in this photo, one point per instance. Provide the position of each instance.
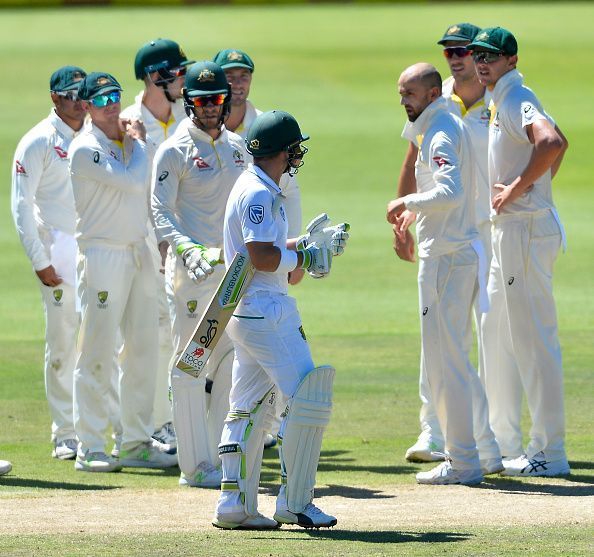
(160, 54)
(460, 32)
(233, 58)
(97, 83)
(495, 39)
(205, 78)
(66, 78)
(272, 132)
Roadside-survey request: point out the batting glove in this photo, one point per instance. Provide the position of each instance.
(319, 232)
(199, 260)
(316, 260)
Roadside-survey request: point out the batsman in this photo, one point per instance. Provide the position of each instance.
(271, 350)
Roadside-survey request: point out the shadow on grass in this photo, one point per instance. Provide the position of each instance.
(581, 465)
(382, 536)
(513, 486)
(346, 491)
(44, 484)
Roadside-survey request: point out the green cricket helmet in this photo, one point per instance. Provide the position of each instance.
(163, 56)
(276, 131)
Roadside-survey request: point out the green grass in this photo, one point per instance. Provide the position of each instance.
(335, 68)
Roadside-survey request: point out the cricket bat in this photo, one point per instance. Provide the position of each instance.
(216, 316)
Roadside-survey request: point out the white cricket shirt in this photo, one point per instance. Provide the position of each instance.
(444, 170)
(192, 177)
(514, 107)
(110, 186)
(41, 190)
(255, 213)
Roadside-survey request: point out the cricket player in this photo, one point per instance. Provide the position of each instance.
(468, 99)
(161, 64)
(193, 173)
(109, 169)
(449, 251)
(271, 351)
(44, 215)
(521, 345)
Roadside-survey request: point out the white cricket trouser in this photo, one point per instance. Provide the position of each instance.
(521, 344)
(197, 441)
(117, 290)
(61, 326)
(447, 288)
(270, 351)
(483, 434)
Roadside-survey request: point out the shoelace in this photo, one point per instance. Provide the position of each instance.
(312, 509)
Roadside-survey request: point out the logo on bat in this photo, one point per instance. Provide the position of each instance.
(211, 333)
(198, 353)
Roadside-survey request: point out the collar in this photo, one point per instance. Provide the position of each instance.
(504, 84)
(448, 93)
(264, 177)
(60, 125)
(100, 134)
(200, 135)
(413, 130)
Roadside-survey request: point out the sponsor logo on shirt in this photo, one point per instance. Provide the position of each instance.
(201, 164)
(256, 213)
(60, 152)
(102, 297)
(20, 169)
(282, 213)
(96, 157)
(440, 161)
(114, 155)
(163, 175)
(58, 292)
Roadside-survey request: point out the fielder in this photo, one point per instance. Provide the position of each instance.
(44, 215)
(271, 352)
(521, 345)
(450, 253)
(239, 69)
(161, 64)
(468, 99)
(109, 172)
(193, 173)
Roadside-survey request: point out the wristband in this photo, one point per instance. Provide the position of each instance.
(288, 261)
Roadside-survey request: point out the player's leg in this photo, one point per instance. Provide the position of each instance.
(500, 370)
(533, 325)
(139, 367)
(61, 329)
(104, 281)
(446, 288)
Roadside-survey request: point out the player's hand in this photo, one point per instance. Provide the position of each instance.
(395, 208)
(200, 261)
(319, 232)
(317, 260)
(404, 244)
(48, 276)
(295, 276)
(134, 128)
(506, 194)
(163, 247)
(403, 223)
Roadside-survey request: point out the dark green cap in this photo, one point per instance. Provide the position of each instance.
(495, 39)
(160, 54)
(272, 132)
(460, 32)
(233, 58)
(97, 83)
(205, 78)
(66, 78)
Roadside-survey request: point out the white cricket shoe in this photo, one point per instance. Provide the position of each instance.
(150, 454)
(242, 521)
(491, 466)
(310, 517)
(66, 449)
(5, 467)
(166, 436)
(205, 475)
(444, 474)
(269, 441)
(96, 462)
(425, 450)
(537, 466)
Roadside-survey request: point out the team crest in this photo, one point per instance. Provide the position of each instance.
(191, 305)
(234, 56)
(255, 144)
(206, 75)
(453, 30)
(256, 213)
(102, 296)
(238, 157)
(103, 81)
(60, 152)
(58, 294)
(77, 76)
(482, 36)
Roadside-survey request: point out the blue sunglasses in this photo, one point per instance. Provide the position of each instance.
(108, 98)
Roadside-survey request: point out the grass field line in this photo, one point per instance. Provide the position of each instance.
(497, 502)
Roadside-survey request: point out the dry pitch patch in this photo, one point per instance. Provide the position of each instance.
(497, 502)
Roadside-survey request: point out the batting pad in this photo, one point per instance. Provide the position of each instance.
(300, 436)
(190, 422)
(241, 450)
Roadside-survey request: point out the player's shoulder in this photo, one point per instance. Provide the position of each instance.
(85, 141)
(176, 144)
(39, 136)
(131, 112)
(235, 140)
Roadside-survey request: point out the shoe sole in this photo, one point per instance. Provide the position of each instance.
(509, 474)
(235, 526)
(126, 463)
(282, 520)
(419, 456)
(64, 457)
(80, 468)
(467, 483)
(200, 486)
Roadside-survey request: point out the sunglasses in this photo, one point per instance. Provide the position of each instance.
(216, 100)
(486, 57)
(178, 72)
(112, 97)
(459, 51)
(68, 95)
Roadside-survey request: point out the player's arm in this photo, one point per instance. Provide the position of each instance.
(27, 169)
(407, 182)
(404, 243)
(549, 147)
(267, 257)
(556, 165)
